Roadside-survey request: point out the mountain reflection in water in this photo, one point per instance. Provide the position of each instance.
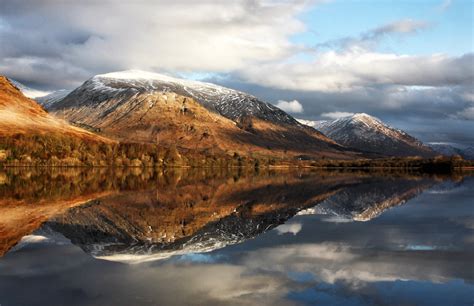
(220, 223)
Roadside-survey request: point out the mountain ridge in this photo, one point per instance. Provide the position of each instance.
(29, 92)
(452, 150)
(364, 132)
(154, 108)
(21, 115)
(225, 101)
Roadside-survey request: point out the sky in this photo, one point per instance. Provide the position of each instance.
(409, 63)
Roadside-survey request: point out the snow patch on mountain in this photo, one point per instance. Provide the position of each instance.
(48, 100)
(311, 123)
(151, 80)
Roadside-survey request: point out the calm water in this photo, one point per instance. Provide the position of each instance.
(100, 237)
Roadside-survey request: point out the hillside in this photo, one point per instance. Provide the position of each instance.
(449, 150)
(367, 133)
(21, 115)
(51, 98)
(156, 109)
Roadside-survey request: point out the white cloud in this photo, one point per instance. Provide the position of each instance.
(359, 68)
(291, 228)
(336, 115)
(72, 39)
(334, 262)
(290, 106)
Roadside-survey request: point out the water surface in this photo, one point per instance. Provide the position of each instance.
(202, 237)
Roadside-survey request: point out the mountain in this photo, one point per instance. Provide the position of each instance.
(48, 100)
(367, 133)
(368, 199)
(310, 123)
(468, 153)
(146, 107)
(45, 98)
(140, 214)
(189, 217)
(449, 150)
(28, 91)
(153, 213)
(149, 225)
(21, 115)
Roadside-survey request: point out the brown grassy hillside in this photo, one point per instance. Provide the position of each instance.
(167, 118)
(21, 115)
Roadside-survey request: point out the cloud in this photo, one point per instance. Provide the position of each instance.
(467, 113)
(63, 43)
(291, 228)
(358, 68)
(290, 106)
(443, 6)
(336, 115)
(370, 39)
(400, 26)
(334, 262)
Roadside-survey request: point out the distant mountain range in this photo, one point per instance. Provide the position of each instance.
(367, 133)
(143, 107)
(53, 97)
(450, 150)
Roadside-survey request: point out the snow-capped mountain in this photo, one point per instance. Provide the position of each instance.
(162, 224)
(227, 102)
(28, 91)
(367, 133)
(48, 100)
(148, 107)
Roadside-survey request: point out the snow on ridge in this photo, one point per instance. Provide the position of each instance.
(366, 128)
(141, 76)
(134, 74)
(53, 97)
(311, 123)
(228, 102)
(367, 120)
